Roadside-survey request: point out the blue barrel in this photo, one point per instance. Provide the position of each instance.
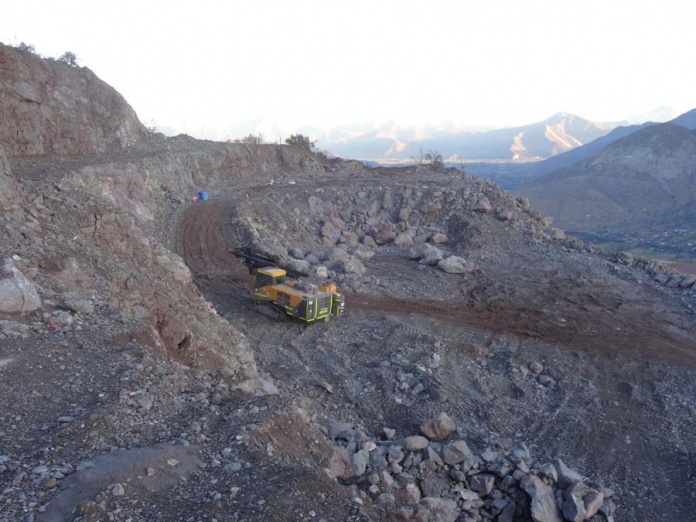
(203, 196)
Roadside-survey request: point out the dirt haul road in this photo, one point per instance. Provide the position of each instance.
(596, 321)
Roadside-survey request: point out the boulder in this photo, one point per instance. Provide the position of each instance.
(662, 278)
(536, 367)
(455, 452)
(359, 461)
(337, 222)
(592, 501)
(438, 428)
(17, 293)
(383, 235)
(547, 381)
(312, 259)
(395, 454)
(521, 453)
(432, 258)
(543, 500)
(415, 443)
(688, 281)
(524, 203)
(329, 234)
(549, 472)
(350, 238)
(422, 250)
(482, 205)
(363, 253)
(413, 493)
(557, 234)
(300, 265)
(14, 327)
(297, 253)
(573, 509)
(404, 239)
(456, 265)
(369, 242)
(352, 265)
(505, 215)
(439, 238)
(335, 255)
(566, 476)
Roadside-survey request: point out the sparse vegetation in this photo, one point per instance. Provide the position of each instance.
(253, 139)
(432, 158)
(22, 46)
(301, 141)
(70, 58)
(151, 127)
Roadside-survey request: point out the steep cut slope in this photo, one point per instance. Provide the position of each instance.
(49, 107)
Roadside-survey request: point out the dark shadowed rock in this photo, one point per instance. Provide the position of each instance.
(482, 483)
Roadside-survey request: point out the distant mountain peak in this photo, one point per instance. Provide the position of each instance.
(560, 116)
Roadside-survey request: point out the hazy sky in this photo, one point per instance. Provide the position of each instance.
(243, 64)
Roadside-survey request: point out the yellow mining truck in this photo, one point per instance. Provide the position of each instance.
(286, 292)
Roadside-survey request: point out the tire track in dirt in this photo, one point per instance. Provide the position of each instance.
(595, 331)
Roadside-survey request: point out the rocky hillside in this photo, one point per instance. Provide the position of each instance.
(49, 107)
(487, 367)
(568, 158)
(634, 183)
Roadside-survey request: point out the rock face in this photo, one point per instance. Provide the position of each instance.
(8, 185)
(40, 118)
(17, 293)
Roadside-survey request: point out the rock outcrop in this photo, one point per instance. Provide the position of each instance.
(49, 107)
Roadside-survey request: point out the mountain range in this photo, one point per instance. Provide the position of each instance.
(638, 182)
(557, 134)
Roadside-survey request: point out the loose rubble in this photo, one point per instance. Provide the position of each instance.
(437, 477)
